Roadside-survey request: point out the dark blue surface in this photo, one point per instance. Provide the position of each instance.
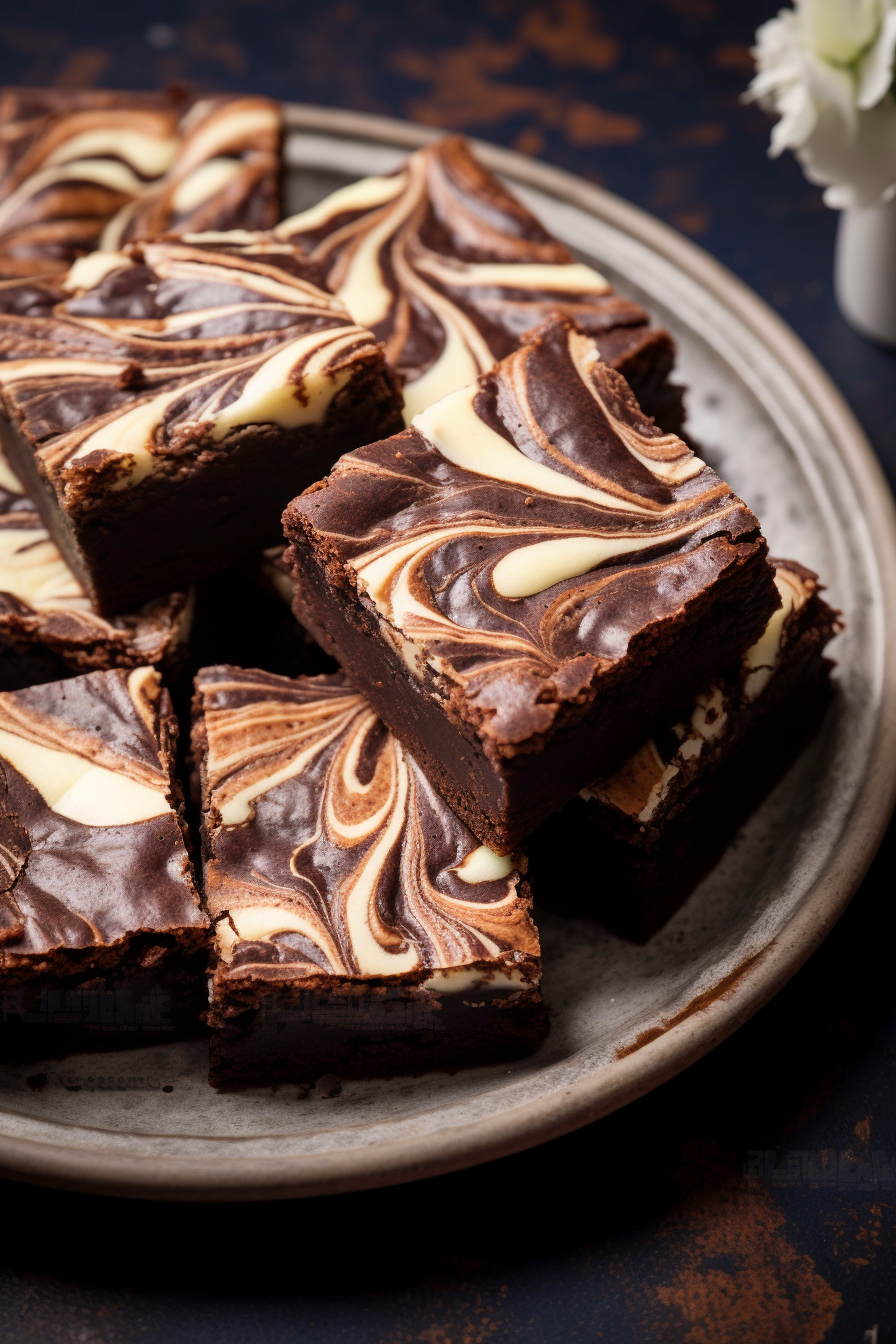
(752, 1198)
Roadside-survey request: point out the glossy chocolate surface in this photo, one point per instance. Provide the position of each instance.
(90, 841)
(328, 853)
(177, 328)
(450, 270)
(522, 536)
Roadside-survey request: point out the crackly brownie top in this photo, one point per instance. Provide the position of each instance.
(81, 170)
(523, 530)
(448, 268)
(329, 851)
(90, 846)
(143, 357)
(668, 762)
(41, 599)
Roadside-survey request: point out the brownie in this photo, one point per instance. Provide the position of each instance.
(48, 629)
(83, 169)
(99, 915)
(450, 270)
(528, 579)
(163, 403)
(227, 174)
(361, 929)
(657, 826)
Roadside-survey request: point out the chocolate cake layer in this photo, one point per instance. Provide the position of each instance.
(361, 929)
(97, 885)
(634, 844)
(527, 579)
(87, 169)
(450, 270)
(162, 404)
(48, 629)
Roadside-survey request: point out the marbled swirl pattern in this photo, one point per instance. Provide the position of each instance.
(521, 533)
(145, 357)
(87, 169)
(91, 849)
(328, 850)
(449, 269)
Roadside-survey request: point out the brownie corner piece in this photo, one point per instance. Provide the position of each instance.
(360, 927)
(163, 403)
(98, 893)
(527, 578)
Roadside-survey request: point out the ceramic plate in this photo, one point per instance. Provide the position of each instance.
(625, 1017)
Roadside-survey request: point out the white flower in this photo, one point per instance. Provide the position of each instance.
(827, 69)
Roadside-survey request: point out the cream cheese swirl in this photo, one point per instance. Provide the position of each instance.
(525, 530)
(161, 351)
(330, 854)
(449, 270)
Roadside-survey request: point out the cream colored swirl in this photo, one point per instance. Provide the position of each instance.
(618, 513)
(227, 152)
(76, 773)
(75, 166)
(400, 251)
(262, 344)
(330, 848)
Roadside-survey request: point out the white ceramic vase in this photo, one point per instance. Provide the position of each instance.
(865, 271)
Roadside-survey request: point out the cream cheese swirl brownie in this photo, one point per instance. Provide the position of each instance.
(48, 629)
(664, 819)
(87, 169)
(450, 270)
(163, 403)
(97, 886)
(527, 578)
(361, 928)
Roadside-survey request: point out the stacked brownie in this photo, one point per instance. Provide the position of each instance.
(544, 608)
(666, 816)
(527, 579)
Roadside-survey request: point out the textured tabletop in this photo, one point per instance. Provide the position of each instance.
(750, 1199)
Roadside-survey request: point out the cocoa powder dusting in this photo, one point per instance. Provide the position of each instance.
(739, 1277)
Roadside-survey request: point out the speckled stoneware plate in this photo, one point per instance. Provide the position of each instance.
(626, 1017)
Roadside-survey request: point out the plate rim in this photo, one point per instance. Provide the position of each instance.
(686, 1038)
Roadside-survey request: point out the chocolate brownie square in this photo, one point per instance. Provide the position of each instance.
(360, 927)
(48, 629)
(87, 169)
(162, 404)
(99, 915)
(636, 843)
(527, 580)
(450, 270)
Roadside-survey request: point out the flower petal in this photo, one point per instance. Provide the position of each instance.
(875, 69)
